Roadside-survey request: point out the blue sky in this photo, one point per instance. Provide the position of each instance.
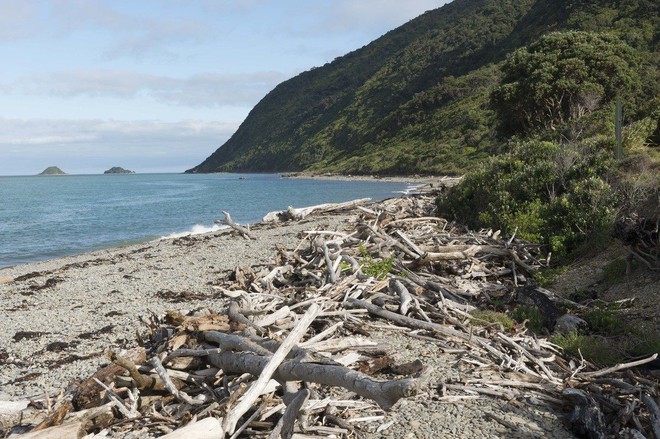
(158, 85)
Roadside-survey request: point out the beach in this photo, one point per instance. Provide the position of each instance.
(60, 317)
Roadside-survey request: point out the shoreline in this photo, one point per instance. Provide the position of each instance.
(61, 317)
(431, 181)
(61, 252)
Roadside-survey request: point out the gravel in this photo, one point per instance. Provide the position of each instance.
(58, 317)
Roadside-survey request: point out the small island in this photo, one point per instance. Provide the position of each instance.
(52, 170)
(118, 170)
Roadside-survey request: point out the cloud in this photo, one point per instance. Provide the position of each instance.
(94, 145)
(365, 16)
(199, 90)
(17, 19)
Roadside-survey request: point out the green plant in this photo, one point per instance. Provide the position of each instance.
(553, 194)
(535, 320)
(597, 350)
(547, 276)
(604, 322)
(614, 271)
(491, 317)
(561, 77)
(372, 267)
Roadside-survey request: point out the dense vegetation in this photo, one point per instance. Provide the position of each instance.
(419, 99)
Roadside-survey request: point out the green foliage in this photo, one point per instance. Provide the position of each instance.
(560, 78)
(416, 100)
(376, 268)
(595, 349)
(603, 322)
(491, 317)
(535, 320)
(614, 271)
(549, 193)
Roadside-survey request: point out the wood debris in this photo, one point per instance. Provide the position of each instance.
(290, 353)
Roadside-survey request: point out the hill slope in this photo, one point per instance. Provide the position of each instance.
(416, 99)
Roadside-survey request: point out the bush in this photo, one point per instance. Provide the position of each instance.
(536, 321)
(553, 194)
(595, 349)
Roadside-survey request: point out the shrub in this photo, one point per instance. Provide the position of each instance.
(536, 321)
(553, 194)
(595, 349)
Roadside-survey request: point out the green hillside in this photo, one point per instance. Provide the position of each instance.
(418, 99)
(52, 170)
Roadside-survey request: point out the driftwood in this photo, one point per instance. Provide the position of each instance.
(297, 214)
(290, 339)
(243, 231)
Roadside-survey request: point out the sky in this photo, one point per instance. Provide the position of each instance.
(159, 85)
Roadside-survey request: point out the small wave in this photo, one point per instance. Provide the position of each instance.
(197, 229)
(409, 189)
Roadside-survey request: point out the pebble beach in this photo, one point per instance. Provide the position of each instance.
(59, 317)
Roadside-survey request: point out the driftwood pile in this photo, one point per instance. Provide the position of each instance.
(290, 355)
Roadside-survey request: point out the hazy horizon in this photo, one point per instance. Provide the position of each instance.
(157, 86)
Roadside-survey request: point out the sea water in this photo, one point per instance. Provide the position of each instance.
(43, 217)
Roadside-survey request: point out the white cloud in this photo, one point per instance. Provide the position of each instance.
(94, 145)
(200, 90)
(17, 19)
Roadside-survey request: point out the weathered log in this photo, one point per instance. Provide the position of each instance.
(70, 430)
(385, 393)
(284, 427)
(586, 417)
(207, 428)
(404, 295)
(240, 229)
(269, 368)
(89, 392)
(297, 214)
(412, 323)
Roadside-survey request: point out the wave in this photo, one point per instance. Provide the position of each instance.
(411, 188)
(197, 229)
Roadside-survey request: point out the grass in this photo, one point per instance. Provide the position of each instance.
(493, 317)
(535, 321)
(595, 349)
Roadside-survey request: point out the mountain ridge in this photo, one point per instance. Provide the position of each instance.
(414, 100)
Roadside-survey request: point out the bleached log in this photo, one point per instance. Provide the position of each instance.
(72, 430)
(618, 367)
(268, 370)
(297, 214)
(235, 314)
(412, 323)
(284, 427)
(271, 318)
(240, 229)
(405, 298)
(207, 428)
(233, 342)
(385, 393)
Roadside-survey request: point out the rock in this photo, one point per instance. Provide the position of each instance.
(569, 323)
(52, 170)
(6, 279)
(118, 170)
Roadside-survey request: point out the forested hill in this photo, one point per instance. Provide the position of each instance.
(418, 99)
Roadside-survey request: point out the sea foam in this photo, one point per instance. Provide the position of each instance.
(197, 229)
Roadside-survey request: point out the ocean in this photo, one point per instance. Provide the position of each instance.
(44, 217)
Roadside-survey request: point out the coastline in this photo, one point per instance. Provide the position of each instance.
(423, 181)
(59, 318)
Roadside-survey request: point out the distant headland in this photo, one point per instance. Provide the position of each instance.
(118, 170)
(52, 170)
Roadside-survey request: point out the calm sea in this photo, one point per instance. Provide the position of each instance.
(43, 217)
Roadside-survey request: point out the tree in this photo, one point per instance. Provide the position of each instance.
(560, 78)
